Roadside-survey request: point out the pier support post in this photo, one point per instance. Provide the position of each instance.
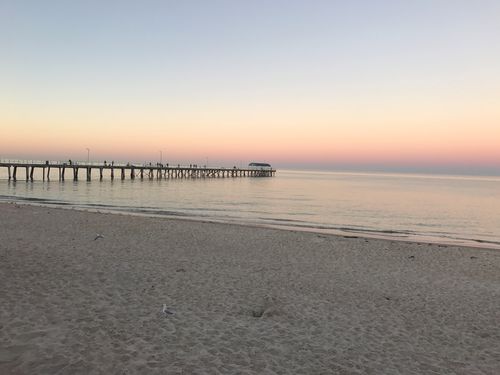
(48, 173)
(142, 173)
(62, 173)
(14, 173)
(27, 173)
(132, 173)
(89, 173)
(112, 173)
(123, 173)
(31, 173)
(100, 174)
(9, 172)
(75, 174)
(43, 174)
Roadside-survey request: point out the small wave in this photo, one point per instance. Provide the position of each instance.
(281, 220)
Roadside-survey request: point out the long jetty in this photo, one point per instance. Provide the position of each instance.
(121, 170)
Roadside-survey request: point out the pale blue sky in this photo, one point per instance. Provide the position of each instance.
(293, 43)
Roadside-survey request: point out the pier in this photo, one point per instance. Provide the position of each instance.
(76, 170)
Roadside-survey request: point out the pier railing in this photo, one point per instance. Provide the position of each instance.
(86, 163)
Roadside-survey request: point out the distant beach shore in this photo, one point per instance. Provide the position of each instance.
(94, 293)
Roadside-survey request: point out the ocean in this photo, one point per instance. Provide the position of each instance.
(461, 210)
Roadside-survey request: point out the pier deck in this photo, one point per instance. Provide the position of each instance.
(121, 171)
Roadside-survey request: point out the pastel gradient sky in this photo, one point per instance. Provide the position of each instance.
(361, 85)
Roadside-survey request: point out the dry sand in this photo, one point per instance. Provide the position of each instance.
(244, 300)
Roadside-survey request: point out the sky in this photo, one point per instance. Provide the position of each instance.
(354, 85)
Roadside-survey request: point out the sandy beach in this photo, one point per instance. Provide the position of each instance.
(238, 300)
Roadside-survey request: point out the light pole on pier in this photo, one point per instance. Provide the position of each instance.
(88, 155)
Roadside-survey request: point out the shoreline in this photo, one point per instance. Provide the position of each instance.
(85, 293)
(426, 240)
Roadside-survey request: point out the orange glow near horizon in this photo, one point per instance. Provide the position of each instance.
(408, 134)
(289, 140)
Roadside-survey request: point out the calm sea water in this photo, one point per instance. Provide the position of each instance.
(444, 209)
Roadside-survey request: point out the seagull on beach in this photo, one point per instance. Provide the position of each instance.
(167, 311)
(98, 236)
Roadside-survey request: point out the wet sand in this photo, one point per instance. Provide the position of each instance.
(239, 300)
